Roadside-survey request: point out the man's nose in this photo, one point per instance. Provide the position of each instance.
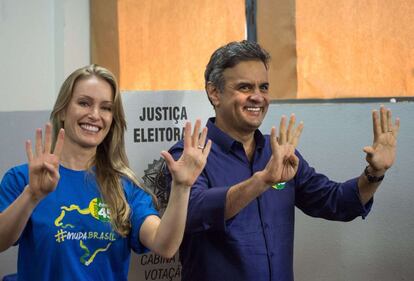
(257, 95)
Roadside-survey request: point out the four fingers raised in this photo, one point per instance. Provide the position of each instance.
(45, 146)
(382, 122)
(291, 135)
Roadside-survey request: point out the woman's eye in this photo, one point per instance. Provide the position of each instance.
(83, 103)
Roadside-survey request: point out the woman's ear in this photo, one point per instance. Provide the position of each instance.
(62, 115)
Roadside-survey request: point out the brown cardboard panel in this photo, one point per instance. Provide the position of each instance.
(104, 34)
(276, 33)
(353, 48)
(164, 44)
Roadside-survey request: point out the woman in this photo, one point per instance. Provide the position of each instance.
(77, 212)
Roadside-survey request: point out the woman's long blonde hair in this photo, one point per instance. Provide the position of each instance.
(111, 162)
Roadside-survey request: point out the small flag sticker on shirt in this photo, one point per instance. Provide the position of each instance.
(279, 186)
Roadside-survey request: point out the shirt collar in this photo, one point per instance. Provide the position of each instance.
(224, 140)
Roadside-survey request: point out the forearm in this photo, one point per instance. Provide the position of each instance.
(14, 219)
(366, 188)
(241, 194)
(170, 231)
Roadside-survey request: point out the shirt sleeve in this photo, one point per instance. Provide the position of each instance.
(206, 205)
(318, 196)
(142, 206)
(12, 185)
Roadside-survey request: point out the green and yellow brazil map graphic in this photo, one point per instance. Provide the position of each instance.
(66, 231)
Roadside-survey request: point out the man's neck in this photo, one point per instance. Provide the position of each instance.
(246, 138)
(249, 148)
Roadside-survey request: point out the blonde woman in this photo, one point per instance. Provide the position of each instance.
(76, 209)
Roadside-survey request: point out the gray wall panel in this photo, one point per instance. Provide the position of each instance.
(377, 248)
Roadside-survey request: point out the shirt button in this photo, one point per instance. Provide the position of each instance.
(272, 254)
(266, 226)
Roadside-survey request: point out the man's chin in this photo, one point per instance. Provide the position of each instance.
(253, 126)
(255, 122)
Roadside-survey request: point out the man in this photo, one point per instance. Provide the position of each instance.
(240, 223)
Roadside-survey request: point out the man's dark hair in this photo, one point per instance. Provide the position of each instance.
(230, 55)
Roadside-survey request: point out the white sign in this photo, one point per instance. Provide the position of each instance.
(155, 122)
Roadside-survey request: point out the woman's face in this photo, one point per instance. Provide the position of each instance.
(88, 116)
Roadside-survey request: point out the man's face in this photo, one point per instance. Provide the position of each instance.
(242, 105)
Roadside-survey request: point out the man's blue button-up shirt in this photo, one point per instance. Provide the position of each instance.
(257, 243)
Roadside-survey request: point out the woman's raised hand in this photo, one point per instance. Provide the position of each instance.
(188, 167)
(43, 163)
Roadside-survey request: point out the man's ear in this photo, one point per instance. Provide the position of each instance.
(213, 94)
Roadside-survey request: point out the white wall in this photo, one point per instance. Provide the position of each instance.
(41, 41)
(379, 247)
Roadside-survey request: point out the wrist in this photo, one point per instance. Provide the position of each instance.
(261, 180)
(375, 172)
(33, 198)
(180, 187)
(373, 175)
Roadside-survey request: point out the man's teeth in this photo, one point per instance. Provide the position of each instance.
(253, 109)
(90, 128)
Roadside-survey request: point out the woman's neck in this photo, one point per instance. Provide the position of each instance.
(77, 159)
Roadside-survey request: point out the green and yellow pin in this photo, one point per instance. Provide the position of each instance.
(279, 186)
